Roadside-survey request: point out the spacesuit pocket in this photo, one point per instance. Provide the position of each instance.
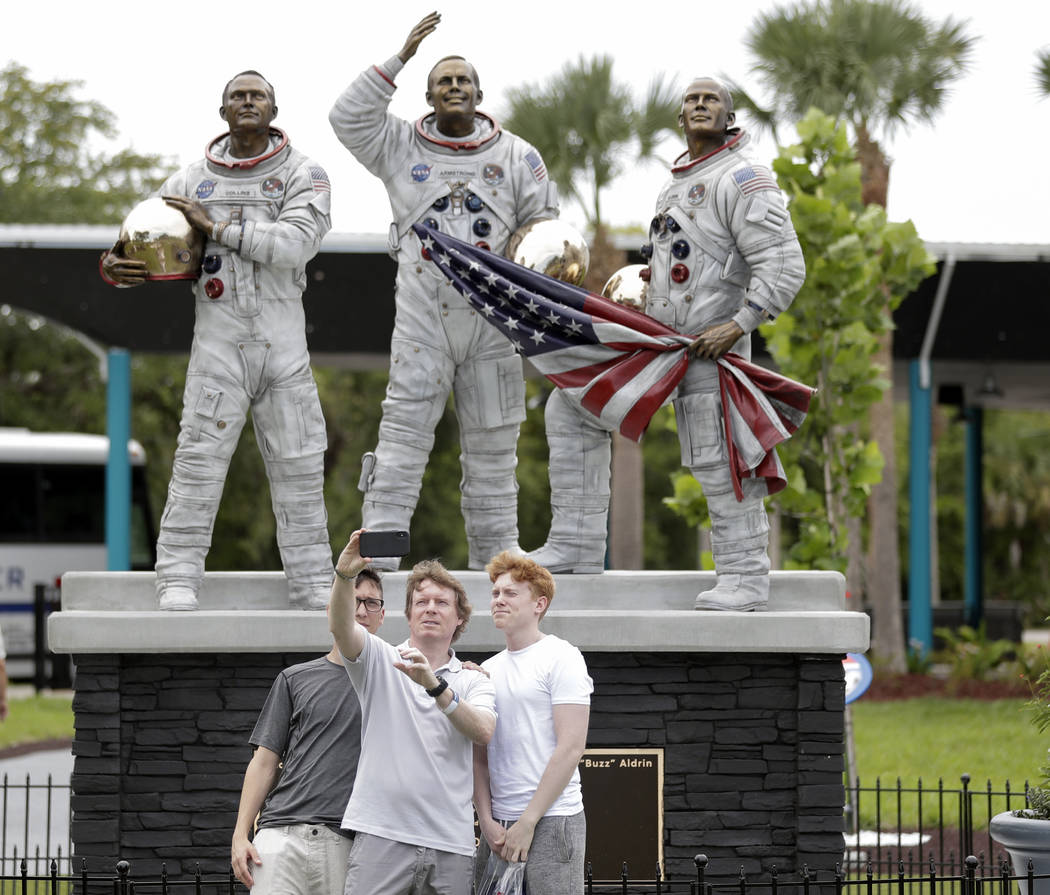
(207, 403)
(491, 393)
(660, 309)
(735, 271)
(289, 421)
(699, 418)
(766, 214)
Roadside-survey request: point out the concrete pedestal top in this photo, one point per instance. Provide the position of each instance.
(248, 612)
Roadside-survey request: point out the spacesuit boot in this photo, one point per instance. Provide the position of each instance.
(576, 543)
(489, 531)
(186, 527)
(739, 542)
(580, 455)
(378, 515)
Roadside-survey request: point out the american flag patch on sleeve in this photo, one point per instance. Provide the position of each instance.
(539, 170)
(320, 180)
(751, 180)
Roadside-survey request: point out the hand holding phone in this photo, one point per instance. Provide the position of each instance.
(384, 543)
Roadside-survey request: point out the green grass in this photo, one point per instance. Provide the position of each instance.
(36, 718)
(931, 738)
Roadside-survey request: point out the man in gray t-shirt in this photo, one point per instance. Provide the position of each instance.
(308, 740)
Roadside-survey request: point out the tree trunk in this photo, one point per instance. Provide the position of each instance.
(883, 576)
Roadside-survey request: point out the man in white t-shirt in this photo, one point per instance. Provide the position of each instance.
(421, 710)
(527, 782)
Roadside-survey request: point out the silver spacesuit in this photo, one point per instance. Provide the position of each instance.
(722, 248)
(480, 188)
(249, 353)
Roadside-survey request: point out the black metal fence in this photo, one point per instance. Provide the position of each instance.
(999, 881)
(970, 882)
(120, 882)
(34, 825)
(916, 831)
(916, 827)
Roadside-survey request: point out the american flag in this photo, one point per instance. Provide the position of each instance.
(751, 180)
(613, 362)
(539, 170)
(320, 179)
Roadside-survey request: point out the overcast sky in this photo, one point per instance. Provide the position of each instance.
(978, 174)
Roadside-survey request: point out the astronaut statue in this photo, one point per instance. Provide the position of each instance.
(263, 208)
(457, 170)
(723, 258)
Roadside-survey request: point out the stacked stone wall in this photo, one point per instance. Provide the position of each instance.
(753, 754)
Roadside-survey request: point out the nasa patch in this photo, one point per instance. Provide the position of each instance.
(420, 172)
(696, 193)
(492, 174)
(205, 188)
(272, 187)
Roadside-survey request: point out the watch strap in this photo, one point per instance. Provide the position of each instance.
(439, 689)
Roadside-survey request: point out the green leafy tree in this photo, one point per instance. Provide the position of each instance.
(48, 172)
(877, 65)
(857, 265)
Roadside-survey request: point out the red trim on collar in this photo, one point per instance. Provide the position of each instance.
(248, 163)
(382, 74)
(678, 169)
(451, 144)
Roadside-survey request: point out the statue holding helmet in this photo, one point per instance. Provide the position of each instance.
(253, 212)
(458, 171)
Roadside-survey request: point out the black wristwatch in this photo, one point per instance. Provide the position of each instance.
(439, 689)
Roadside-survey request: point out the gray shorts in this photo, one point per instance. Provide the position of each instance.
(381, 866)
(556, 856)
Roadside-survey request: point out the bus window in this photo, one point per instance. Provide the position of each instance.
(52, 521)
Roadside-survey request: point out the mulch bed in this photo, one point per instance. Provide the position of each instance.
(39, 746)
(887, 686)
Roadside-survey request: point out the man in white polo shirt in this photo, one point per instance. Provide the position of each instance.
(421, 711)
(526, 782)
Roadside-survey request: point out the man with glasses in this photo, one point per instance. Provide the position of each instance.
(307, 739)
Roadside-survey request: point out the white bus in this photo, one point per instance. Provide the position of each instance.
(52, 521)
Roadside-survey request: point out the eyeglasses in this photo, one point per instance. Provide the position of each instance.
(371, 603)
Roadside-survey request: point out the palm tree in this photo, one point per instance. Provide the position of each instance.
(878, 65)
(588, 127)
(1042, 72)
